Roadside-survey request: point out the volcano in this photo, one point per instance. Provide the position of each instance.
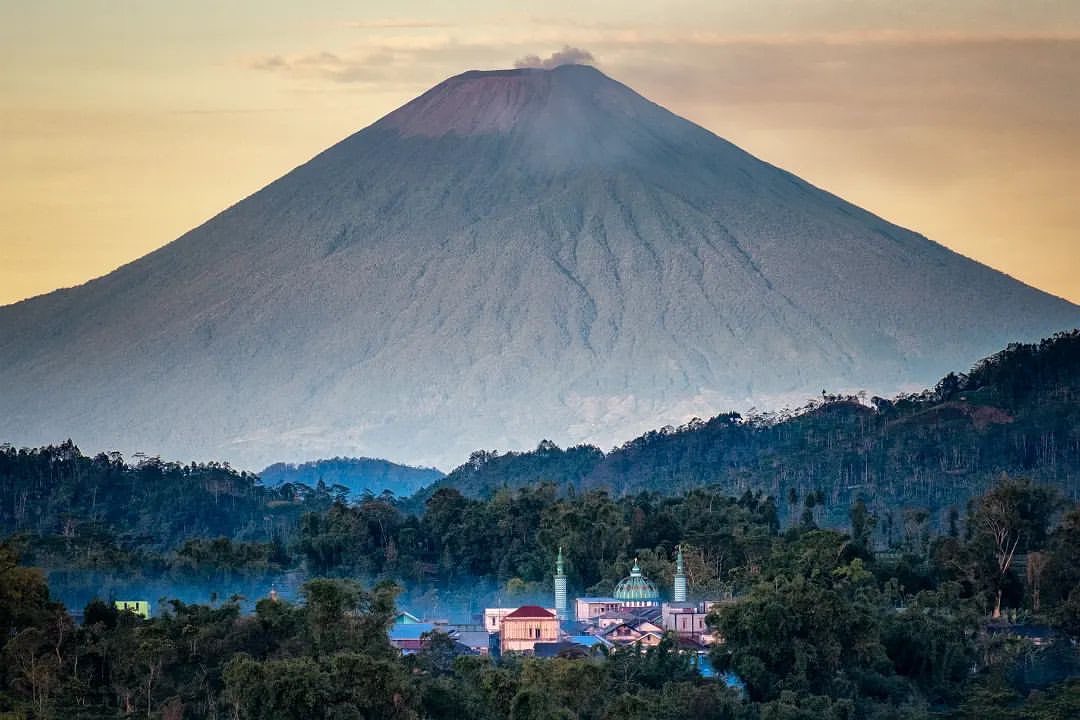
(513, 255)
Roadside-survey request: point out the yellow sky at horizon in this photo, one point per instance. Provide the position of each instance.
(127, 123)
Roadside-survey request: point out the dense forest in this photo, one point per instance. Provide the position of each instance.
(820, 627)
(359, 475)
(100, 511)
(102, 526)
(512, 538)
(1016, 412)
(913, 460)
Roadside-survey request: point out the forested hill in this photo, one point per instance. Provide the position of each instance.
(1015, 412)
(98, 508)
(359, 475)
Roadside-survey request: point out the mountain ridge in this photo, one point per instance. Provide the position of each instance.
(1014, 413)
(358, 475)
(605, 263)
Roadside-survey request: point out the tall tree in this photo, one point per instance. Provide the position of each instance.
(1013, 515)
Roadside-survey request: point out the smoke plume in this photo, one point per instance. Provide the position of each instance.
(567, 56)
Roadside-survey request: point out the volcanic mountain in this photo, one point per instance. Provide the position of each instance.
(512, 255)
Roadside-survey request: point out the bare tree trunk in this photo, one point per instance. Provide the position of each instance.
(1036, 564)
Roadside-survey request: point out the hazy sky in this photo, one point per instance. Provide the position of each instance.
(124, 123)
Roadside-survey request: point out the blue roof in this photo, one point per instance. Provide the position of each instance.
(598, 599)
(412, 631)
(586, 640)
(705, 667)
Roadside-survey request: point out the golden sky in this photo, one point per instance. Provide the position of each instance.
(124, 123)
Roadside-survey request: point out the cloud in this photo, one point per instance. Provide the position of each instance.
(567, 56)
(328, 66)
(396, 24)
(268, 62)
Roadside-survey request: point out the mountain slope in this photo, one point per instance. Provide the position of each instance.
(359, 475)
(1015, 413)
(547, 240)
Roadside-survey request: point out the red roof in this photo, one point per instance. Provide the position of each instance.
(530, 611)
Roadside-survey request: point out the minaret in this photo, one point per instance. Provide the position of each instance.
(560, 588)
(679, 595)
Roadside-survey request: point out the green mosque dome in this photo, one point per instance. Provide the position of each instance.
(636, 588)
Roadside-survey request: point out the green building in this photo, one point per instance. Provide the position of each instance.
(139, 607)
(637, 590)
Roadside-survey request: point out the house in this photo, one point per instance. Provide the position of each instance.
(587, 609)
(691, 645)
(612, 618)
(479, 641)
(641, 633)
(139, 607)
(576, 627)
(410, 638)
(521, 629)
(594, 643)
(686, 619)
(405, 618)
(493, 618)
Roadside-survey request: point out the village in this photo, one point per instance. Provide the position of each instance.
(634, 615)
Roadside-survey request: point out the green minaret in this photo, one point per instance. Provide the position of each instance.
(679, 595)
(560, 588)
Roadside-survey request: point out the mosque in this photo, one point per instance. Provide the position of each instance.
(633, 594)
(634, 614)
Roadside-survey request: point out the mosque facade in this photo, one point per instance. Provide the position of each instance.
(634, 614)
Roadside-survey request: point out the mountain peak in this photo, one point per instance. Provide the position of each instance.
(481, 102)
(515, 254)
